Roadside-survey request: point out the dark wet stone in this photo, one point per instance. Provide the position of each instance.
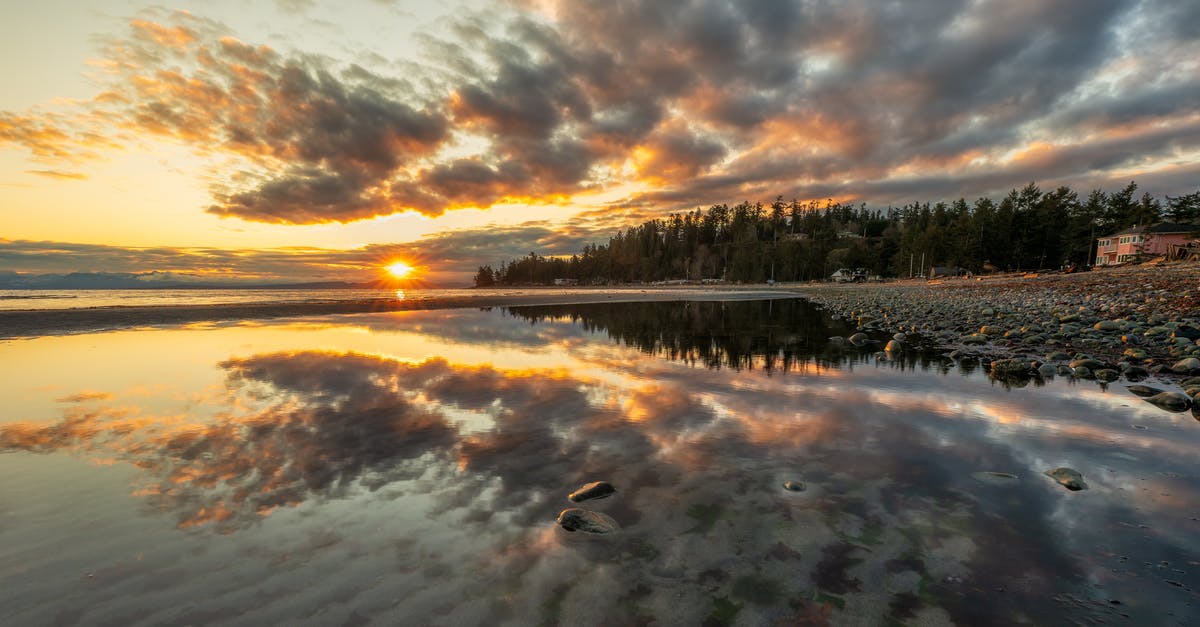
(1057, 356)
(593, 490)
(1187, 332)
(794, 486)
(1087, 362)
(1068, 478)
(1170, 401)
(1107, 374)
(587, 521)
(1143, 390)
(1190, 382)
(1083, 372)
(858, 339)
(1136, 373)
(894, 346)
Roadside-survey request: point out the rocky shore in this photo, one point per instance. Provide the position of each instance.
(1119, 323)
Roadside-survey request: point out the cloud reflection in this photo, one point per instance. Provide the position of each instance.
(697, 454)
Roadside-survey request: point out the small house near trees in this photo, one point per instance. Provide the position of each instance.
(1140, 242)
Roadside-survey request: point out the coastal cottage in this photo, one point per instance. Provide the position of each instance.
(1142, 241)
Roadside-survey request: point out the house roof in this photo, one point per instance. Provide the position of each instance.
(1160, 228)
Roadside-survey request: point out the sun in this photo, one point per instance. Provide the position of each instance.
(399, 269)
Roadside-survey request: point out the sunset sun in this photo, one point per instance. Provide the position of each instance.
(399, 269)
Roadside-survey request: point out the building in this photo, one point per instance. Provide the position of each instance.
(1141, 241)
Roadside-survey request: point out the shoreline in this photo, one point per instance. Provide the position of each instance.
(34, 323)
(1131, 321)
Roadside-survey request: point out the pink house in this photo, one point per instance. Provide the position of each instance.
(1142, 241)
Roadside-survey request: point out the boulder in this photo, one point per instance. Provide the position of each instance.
(1188, 365)
(1170, 401)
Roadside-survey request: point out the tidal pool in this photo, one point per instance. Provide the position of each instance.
(407, 468)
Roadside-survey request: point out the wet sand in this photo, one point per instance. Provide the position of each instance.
(34, 323)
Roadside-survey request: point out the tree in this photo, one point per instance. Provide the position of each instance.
(485, 277)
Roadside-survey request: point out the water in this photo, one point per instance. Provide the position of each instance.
(406, 468)
(78, 299)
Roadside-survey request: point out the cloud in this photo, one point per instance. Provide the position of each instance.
(446, 259)
(686, 102)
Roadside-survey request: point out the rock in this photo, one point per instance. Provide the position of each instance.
(1064, 370)
(1068, 478)
(1170, 401)
(899, 337)
(1143, 390)
(1185, 331)
(1083, 372)
(593, 490)
(858, 339)
(837, 341)
(1136, 373)
(1190, 382)
(1194, 392)
(1057, 356)
(1087, 362)
(994, 478)
(1107, 325)
(794, 486)
(1131, 339)
(1134, 353)
(894, 346)
(1047, 370)
(1189, 365)
(587, 521)
(974, 338)
(1107, 374)
(1010, 367)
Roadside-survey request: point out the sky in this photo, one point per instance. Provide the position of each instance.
(310, 140)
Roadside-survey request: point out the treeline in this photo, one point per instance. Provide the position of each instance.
(1027, 229)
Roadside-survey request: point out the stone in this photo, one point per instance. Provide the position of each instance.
(794, 486)
(1057, 356)
(1170, 401)
(587, 521)
(593, 490)
(1083, 372)
(1107, 325)
(1010, 367)
(1047, 370)
(1068, 478)
(1189, 365)
(1143, 391)
(858, 339)
(894, 346)
(1187, 332)
(1087, 362)
(991, 477)
(1107, 374)
(1136, 373)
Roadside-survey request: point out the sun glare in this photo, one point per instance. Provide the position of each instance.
(399, 269)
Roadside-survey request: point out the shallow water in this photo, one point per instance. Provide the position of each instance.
(406, 468)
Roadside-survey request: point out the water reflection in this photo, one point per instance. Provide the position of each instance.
(892, 525)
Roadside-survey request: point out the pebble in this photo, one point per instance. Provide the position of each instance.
(587, 521)
(593, 490)
(1068, 478)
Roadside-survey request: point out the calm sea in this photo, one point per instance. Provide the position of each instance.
(74, 299)
(407, 468)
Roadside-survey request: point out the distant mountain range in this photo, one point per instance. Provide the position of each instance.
(153, 280)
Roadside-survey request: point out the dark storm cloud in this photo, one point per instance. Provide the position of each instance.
(707, 100)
